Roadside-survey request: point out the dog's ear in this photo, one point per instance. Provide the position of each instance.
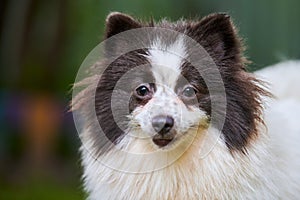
(217, 34)
(118, 22)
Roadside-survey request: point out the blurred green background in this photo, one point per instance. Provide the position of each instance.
(42, 46)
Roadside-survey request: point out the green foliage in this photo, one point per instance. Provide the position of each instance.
(44, 190)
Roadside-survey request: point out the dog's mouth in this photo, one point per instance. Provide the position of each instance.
(162, 141)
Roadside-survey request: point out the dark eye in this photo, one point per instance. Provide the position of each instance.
(189, 92)
(142, 91)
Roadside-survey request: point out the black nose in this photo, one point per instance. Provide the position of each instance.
(162, 124)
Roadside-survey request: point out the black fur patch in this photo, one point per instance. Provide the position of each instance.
(218, 36)
(190, 75)
(121, 77)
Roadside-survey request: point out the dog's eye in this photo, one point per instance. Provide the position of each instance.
(142, 90)
(189, 92)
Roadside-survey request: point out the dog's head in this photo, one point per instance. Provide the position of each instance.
(160, 96)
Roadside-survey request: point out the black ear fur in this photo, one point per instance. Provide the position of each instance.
(118, 22)
(217, 34)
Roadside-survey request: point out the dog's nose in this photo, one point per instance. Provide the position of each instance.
(162, 124)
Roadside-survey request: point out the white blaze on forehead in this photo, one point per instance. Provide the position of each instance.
(166, 61)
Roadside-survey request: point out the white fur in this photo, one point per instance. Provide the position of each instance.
(166, 61)
(283, 79)
(217, 176)
(269, 171)
(282, 117)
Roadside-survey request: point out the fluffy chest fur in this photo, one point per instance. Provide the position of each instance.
(219, 175)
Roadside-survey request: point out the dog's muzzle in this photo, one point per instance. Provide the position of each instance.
(163, 126)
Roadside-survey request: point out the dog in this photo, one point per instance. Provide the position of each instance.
(172, 130)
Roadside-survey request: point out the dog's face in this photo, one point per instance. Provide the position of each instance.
(163, 97)
(167, 108)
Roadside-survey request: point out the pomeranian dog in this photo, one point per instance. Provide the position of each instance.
(181, 118)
